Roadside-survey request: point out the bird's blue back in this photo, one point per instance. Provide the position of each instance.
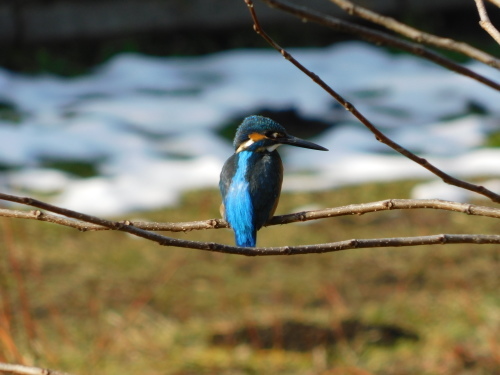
(250, 185)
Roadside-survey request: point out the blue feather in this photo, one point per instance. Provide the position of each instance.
(238, 204)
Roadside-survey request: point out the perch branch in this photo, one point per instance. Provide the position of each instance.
(28, 370)
(437, 239)
(352, 209)
(485, 22)
(418, 35)
(379, 38)
(348, 106)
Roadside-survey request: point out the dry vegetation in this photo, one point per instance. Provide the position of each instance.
(107, 303)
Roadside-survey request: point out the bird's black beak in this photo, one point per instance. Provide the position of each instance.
(298, 142)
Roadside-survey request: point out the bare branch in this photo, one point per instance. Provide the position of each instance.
(121, 226)
(496, 2)
(379, 38)
(85, 226)
(348, 106)
(27, 370)
(260, 251)
(43, 216)
(418, 35)
(437, 239)
(352, 209)
(485, 21)
(385, 205)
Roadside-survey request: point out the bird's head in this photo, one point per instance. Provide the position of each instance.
(258, 133)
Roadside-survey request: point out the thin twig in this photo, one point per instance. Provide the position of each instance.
(386, 205)
(28, 370)
(485, 21)
(418, 35)
(378, 134)
(43, 216)
(85, 226)
(352, 209)
(437, 239)
(379, 38)
(496, 2)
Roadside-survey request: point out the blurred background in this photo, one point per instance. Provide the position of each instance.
(127, 109)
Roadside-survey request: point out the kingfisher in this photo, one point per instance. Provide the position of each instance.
(250, 181)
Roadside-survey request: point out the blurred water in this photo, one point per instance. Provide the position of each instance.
(148, 125)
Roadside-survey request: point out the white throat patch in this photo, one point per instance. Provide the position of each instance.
(273, 147)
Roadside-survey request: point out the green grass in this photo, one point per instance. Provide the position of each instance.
(493, 139)
(108, 303)
(80, 168)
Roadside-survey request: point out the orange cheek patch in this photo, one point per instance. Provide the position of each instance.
(256, 137)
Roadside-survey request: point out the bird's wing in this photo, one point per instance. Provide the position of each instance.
(266, 177)
(226, 175)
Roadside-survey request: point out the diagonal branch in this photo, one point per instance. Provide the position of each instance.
(352, 209)
(418, 35)
(115, 225)
(378, 134)
(485, 21)
(379, 38)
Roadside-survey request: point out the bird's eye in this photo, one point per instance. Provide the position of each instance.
(273, 135)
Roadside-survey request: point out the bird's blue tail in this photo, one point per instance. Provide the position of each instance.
(239, 211)
(240, 217)
(245, 238)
